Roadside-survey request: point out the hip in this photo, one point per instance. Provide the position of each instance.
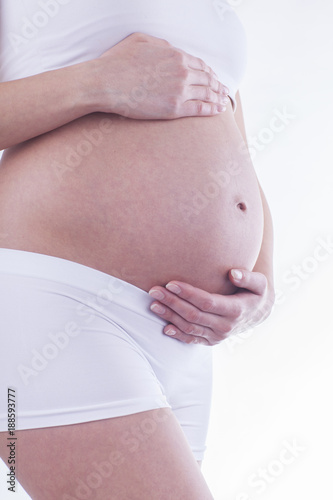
(87, 347)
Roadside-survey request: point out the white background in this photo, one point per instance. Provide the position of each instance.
(277, 384)
(274, 386)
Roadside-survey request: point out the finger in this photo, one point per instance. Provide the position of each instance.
(181, 329)
(200, 108)
(180, 311)
(217, 313)
(205, 79)
(206, 94)
(253, 281)
(169, 315)
(198, 64)
(138, 35)
(212, 303)
(220, 327)
(232, 310)
(177, 334)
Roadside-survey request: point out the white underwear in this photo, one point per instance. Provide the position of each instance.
(79, 345)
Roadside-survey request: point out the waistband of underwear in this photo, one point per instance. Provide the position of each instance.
(105, 287)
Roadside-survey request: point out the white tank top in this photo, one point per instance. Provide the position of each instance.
(42, 35)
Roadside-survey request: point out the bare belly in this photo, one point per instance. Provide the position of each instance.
(146, 201)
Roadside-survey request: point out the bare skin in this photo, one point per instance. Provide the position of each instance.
(185, 86)
(78, 210)
(125, 224)
(205, 318)
(114, 459)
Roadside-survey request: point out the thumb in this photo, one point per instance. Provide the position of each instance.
(252, 281)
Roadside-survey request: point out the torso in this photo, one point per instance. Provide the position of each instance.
(146, 201)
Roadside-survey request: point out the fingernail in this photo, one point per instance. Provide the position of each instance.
(221, 108)
(157, 294)
(170, 331)
(157, 308)
(173, 288)
(238, 275)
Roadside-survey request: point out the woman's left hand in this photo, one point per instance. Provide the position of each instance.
(200, 317)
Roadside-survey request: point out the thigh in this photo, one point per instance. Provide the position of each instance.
(139, 456)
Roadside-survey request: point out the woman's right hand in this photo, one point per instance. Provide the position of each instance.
(144, 77)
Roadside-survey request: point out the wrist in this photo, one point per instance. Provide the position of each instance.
(85, 81)
(98, 86)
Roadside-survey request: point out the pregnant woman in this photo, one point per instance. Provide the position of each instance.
(133, 234)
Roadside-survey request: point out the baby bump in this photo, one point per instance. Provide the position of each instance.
(147, 201)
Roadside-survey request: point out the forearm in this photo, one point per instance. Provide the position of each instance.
(109, 84)
(37, 104)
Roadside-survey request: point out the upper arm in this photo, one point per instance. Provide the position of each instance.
(239, 117)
